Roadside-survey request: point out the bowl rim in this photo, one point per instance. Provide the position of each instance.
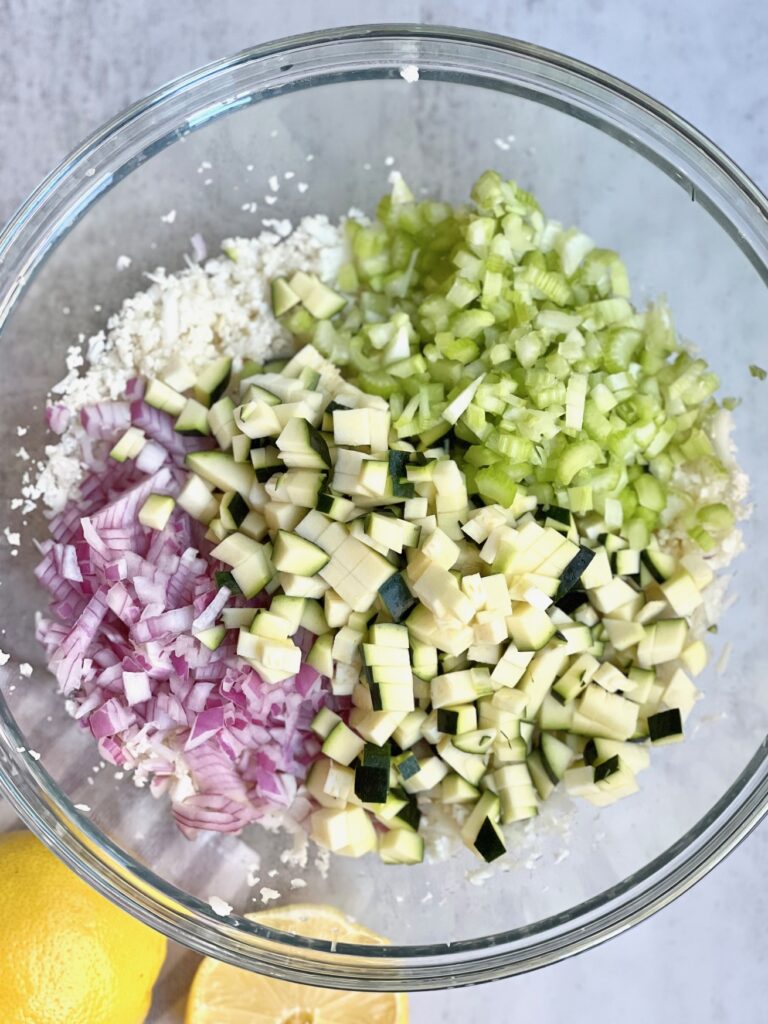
(70, 834)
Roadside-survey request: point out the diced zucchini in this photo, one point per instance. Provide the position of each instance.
(471, 767)
(396, 597)
(253, 574)
(480, 831)
(304, 443)
(330, 784)
(348, 831)
(681, 592)
(342, 744)
(336, 507)
(556, 756)
(283, 296)
(267, 624)
(221, 420)
(320, 657)
(129, 445)
(399, 846)
(665, 727)
(372, 774)
(408, 731)
(530, 629)
(598, 572)
(196, 499)
(540, 778)
(238, 618)
(213, 637)
(221, 470)
(406, 764)
(156, 511)
(660, 565)
(377, 726)
(179, 374)
(663, 641)
(212, 381)
(161, 396)
(477, 741)
(293, 554)
(193, 420)
(616, 713)
(432, 771)
(233, 508)
(458, 719)
(456, 790)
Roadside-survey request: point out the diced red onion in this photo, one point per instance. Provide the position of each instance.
(105, 419)
(134, 388)
(201, 722)
(111, 718)
(211, 613)
(136, 686)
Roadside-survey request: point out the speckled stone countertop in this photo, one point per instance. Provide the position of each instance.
(65, 67)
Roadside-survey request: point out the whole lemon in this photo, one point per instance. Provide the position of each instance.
(68, 955)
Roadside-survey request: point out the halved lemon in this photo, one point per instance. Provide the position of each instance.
(222, 994)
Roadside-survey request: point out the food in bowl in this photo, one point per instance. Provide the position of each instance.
(360, 521)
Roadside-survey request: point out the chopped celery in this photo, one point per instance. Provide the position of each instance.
(516, 340)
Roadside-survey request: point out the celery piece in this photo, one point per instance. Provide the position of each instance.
(576, 457)
(716, 516)
(650, 493)
(704, 539)
(496, 486)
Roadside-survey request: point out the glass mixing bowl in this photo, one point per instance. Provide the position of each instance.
(598, 154)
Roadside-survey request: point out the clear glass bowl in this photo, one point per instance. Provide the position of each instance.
(597, 153)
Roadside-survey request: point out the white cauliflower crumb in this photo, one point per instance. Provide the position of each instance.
(4, 658)
(323, 862)
(25, 669)
(14, 539)
(123, 262)
(82, 807)
(252, 878)
(222, 304)
(298, 883)
(33, 754)
(219, 906)
(268, 894)
(409, 73)
(168, 218)
(21, 431)
(479, 877)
